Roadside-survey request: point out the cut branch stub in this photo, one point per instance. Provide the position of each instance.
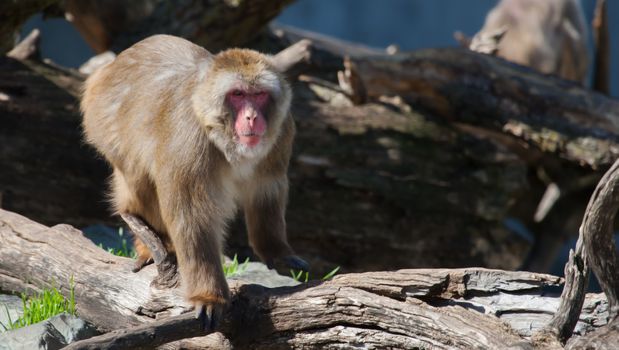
(562, 324)
(28, 48)
(293, 55)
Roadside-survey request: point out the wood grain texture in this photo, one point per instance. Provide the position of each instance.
(554, 115)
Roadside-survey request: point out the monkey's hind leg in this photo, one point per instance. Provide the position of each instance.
(136, 202)
(125, 200)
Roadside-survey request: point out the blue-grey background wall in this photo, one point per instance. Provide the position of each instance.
(411, 24)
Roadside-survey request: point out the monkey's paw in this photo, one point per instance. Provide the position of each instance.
(291, 261)
(210, 314)
(140, 262)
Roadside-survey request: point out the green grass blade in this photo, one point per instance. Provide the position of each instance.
(331, 274)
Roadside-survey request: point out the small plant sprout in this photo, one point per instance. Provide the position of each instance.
(300, 277)
(124, 250)
(330, 274)
(297, 275)
(233, 267)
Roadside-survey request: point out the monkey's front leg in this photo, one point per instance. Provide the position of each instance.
(196, 236)
(266, 226)
(199, 260)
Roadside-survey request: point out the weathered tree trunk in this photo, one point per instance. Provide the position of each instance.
(553, 115)
(558, 127)
(595, 249)
(440, 308)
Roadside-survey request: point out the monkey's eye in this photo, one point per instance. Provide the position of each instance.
(237, 93)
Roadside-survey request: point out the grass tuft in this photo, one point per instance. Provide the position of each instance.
(234, 268)
(43, 305)
(124, 250)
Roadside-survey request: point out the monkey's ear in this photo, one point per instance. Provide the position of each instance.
(488, 42)
(292, 56)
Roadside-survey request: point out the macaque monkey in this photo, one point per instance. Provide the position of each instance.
(547, 35)
(190, 136)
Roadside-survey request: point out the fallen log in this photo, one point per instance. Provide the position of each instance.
(554, 115)
(442, 308)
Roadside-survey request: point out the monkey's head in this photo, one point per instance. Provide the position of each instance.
(242, 100)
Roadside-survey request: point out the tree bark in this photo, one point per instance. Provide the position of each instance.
(598, 236)
(554, 115)
(440, 308)
(596, 248)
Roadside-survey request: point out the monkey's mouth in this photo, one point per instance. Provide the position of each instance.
(250, 139)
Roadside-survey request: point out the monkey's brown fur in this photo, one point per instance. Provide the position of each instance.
(157, 114)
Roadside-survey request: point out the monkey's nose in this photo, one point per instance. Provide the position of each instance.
(251, 119)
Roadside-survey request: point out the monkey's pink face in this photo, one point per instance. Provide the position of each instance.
(249, 107)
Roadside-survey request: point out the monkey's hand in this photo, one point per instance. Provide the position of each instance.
(291, 261)
(209, 311)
